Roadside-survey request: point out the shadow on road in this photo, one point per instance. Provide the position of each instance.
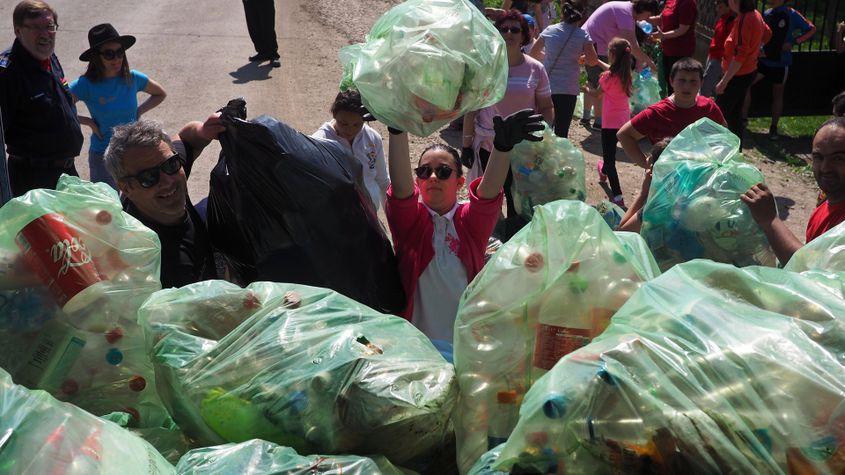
(251, 72)
(784, 204)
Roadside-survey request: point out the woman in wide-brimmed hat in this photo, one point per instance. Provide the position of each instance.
(109, 90)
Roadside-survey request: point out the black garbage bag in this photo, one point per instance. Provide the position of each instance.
(285, 207)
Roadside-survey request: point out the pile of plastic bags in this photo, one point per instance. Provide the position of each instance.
(546, 171)
(285, 207)
(77, 270)
(427, 62)
(706, 369)
(299, 366)
(547, 292)
(40, 435)
(259, 456)
(693, 208)
(645, 91)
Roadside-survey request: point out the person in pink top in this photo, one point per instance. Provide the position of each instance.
(616, 88)
(439, 242)
(528, 88)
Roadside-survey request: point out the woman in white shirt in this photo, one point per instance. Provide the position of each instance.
(348, 129)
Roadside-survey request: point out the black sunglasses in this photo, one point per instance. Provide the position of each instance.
(111, 54)
(514, 29)
(150, 177)
(442, 172)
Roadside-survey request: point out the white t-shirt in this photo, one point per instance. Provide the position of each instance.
(366, 148)
(440, 286)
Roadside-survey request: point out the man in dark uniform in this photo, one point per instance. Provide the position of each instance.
(151, 171)
(261, 24)
(39, 117)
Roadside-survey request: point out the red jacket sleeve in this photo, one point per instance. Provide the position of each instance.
(481, 215)
(402, 214)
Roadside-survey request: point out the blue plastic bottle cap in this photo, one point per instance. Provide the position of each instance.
(114, 356)
(551, 458)
(555, 406)
(645, 26)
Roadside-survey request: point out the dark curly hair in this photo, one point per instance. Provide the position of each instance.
(572, 11)
(650, 6)
(349, 101)
(515, 15)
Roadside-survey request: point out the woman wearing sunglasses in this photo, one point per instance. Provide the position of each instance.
(109, 90)
(439, 242)
(528, 88)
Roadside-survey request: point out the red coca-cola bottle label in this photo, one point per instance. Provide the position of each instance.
(59, 257)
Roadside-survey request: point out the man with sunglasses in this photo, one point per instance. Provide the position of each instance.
(151, 171)
(39, 116)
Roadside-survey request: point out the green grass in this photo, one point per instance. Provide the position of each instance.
(796, 127)
(493, 3)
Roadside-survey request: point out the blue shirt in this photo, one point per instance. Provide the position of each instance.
(794, 24)
(111, 102)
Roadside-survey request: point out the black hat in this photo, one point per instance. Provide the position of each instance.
(102, 34)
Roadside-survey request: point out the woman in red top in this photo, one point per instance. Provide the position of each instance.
(676, 29)
(713, 70)
(742, 48)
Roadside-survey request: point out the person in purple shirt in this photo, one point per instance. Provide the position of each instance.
(614, 20)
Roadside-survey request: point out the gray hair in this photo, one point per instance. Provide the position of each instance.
(143, 133)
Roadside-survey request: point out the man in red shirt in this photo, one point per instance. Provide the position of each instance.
(671, 115)
(829, 171)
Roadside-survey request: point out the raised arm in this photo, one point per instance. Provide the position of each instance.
(399, 165)
(761, 203)
(199, 134)
(509, 131)
(157, 96)
(636, 50)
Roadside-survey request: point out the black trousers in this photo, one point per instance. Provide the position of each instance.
(608, 154)
(261, 23)
(730, 102)
(668, 62)
(513, 222)
(24, 176)
(564, 108)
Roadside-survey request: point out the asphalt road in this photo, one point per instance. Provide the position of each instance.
(197, 50)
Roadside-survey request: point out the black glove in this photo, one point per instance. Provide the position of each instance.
(368, 117)
(467, 157)
(515, 128)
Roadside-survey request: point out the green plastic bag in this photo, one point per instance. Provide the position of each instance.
(299, 366)
(645, 91)
(427, 62)
(259, 456)
(40, 435)
(78, 268)
(548, 291)
(167, 439)
(824, 253)
(546, 171)
(579, 107)
(706, 369)
(693, 208)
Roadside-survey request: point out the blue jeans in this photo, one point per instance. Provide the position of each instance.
(97, 169)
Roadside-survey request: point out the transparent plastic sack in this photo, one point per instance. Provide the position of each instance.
(77, 269)
(259, 456)
(40, 435)
(548, 291)
(546, 171)
(167, 439)
(299, 366)
(706, 369)
(693, 208)
(645, 91)
(824, 253)
(427, 62)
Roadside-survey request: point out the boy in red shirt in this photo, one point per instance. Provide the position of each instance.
(671, 115)
(829, 171)
(713, 71)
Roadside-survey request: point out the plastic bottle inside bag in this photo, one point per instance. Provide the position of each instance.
(503, 418)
